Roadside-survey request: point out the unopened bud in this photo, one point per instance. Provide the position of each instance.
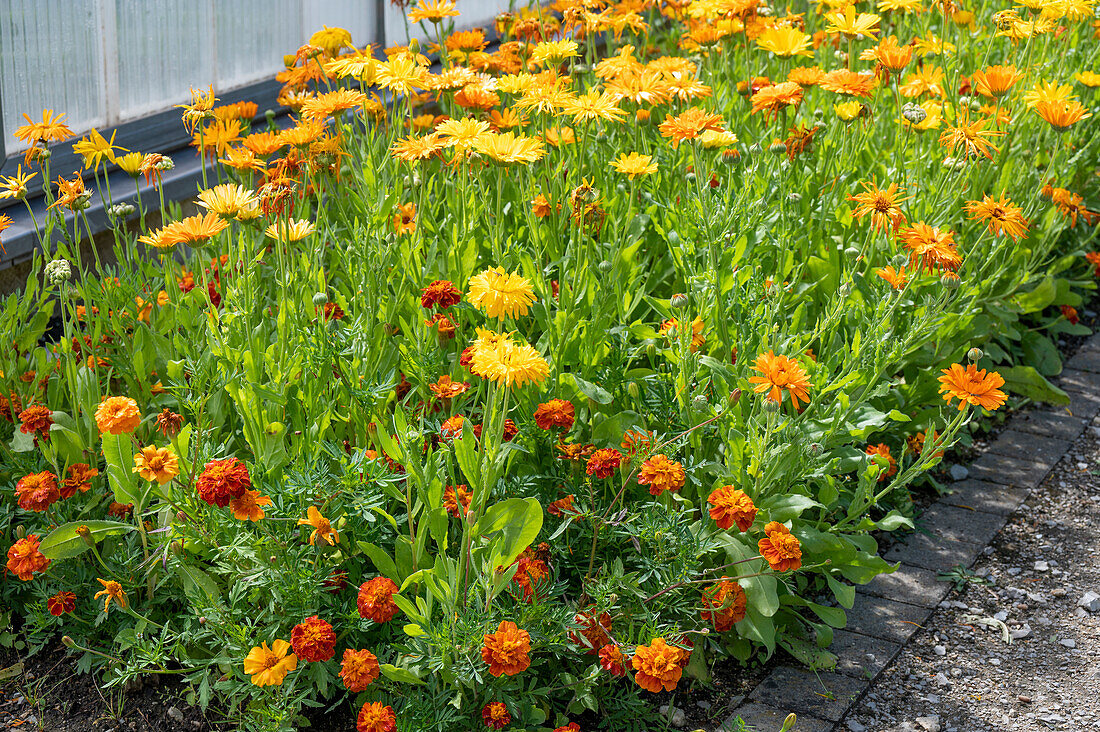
(851, 252)
(734, 396)
(815, 449)
(771, 406)
(320, 299)
(778, 148)
(700, 403)
(974, 355)
(634, 390)
(679, 300)
(788, 723)
(68, 642)
(914, 114)
(202, 620)
(86, 534)
(605, 266)
(58, 271)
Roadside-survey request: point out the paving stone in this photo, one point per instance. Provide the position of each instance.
(1092, 343)
(883, 618)
(988, 497)
(933, 553)
(1085, 361)
(824, 695)
(1011, 470)
(1025, 445)
(912, 585)
(960, 524)
(1086, 381)
(860, 655)
(765, 718)
(1053, 422)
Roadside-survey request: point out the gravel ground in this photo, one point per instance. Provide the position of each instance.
(1018, 647)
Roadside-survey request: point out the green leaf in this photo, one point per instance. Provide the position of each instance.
(1041, 353)
(844, 594)
(118, 452)
(1039, 298)
(198, 586)
(808, 653)
(785, 508)
(593, 391)
(382, 561)
(64, 541)
(1027, 382)
(400, 675)
(516, 522)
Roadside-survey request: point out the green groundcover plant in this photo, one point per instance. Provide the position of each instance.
(510, 393)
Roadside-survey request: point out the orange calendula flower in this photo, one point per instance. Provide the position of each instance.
(726, 604)
(557, 413)
(359, 669)
(773, 99)
(661, 474)
(972, 385)
(931, 248)
(248, 506)
(780, 549)
(50, 129)
(156, 463)
(375, 600)
(1062, 114)
(690, 124)
(698, 339)
(779, 373)
(603, 463)
(269, 666)
(321, 527)
(37, 491)
(849, 83)
(995, 81)
(507, 651)
(376, 717)
(223, 480)
(658, 666)
(433, 10)
(111, 591)
(117, 415)
(883, 450)
(882, 205)
(500, 294)
(731, 506)
(313, 639)
(24, 558)
(404, 221)
(1002, 216)
(970, 137)
(61, 603)
(895, 277)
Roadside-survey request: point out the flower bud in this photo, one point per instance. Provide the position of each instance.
(634, 390)
(950, 281)
(815, 449)
(778, 148)
(86, 534)
(679, 300)
(794, 197)
(700, 404)
(44, 154)
(20, 531)
(320, 299)
(651, 350)
(771, 406)
(899, 260)
(914, 114)
(202, 620)
(68, 642)
(58, 271)
(788, 723)
(120, 210)
(605, 266)
(851, 252)
(734, 396)
(974, 355)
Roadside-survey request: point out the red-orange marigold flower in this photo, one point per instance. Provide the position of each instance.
(506, 651)
(495, 715)
(612, 660)
(376, 717)
(313, 639)
(37, 491)
(375, 600)
(562, 506)
(726, 603)
(24, 559)
(79, 479)
(780, 549)
(440, 294)
(359, 669)
(456, 499)
(61, 603)
(223, 480)
(594, 632)
(731, 506)
(661, 474)
(36, 420)
(603, 463)
(555, 413)
(658, 666)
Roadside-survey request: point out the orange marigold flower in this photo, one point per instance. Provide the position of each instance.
(156, 463)
(269, 666)
(1070, 314)
(972, 386)
(594, 632)
(375, 600)
(530, 574)
(555, 413)
(61, 603)
(634, 441)
(24, 558)
(119, 510)
(603, 463)
(731, 506)
(883, 450)
(779, 373)
(690, 124)
(222, 481)
(507, 651)
(313, 639)
(495, 715)
(930, 247)
(452, 427)
(613, 660)
(322, 527)
(658, 666)
(248, 506)
(447, 389)
(37, 491)
(780, 549)
(661, 474)
(562, 506)
(111, 591)
(441, 294)
(456, 496)
(117, 415)
(726, 604)
(79, 479)
(1002, 216)
(359, 669)
(376, 717)
(36, 420)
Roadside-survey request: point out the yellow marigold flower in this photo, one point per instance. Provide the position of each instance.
(130, 163)
(1048, 91)
(248, 506)
(156, 463)
(269, 666)
(972, 386)
(401, 74)
(231, 200)
(111, 591)
(633, 165)
(117, 415)
(500, 294)
(289, 230)
(321, 527)
(785, 41)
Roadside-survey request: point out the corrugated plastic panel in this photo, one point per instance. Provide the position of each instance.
(356, 16)
(253, 36)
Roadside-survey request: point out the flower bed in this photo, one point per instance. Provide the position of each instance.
(583, 364)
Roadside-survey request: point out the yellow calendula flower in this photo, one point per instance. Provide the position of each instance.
(847, 111)
(507, 148)
(94, 148)
(230, 200)
(498, 358)
(1089, 78)
(633, 165)
(291, 230)
(500, 294)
